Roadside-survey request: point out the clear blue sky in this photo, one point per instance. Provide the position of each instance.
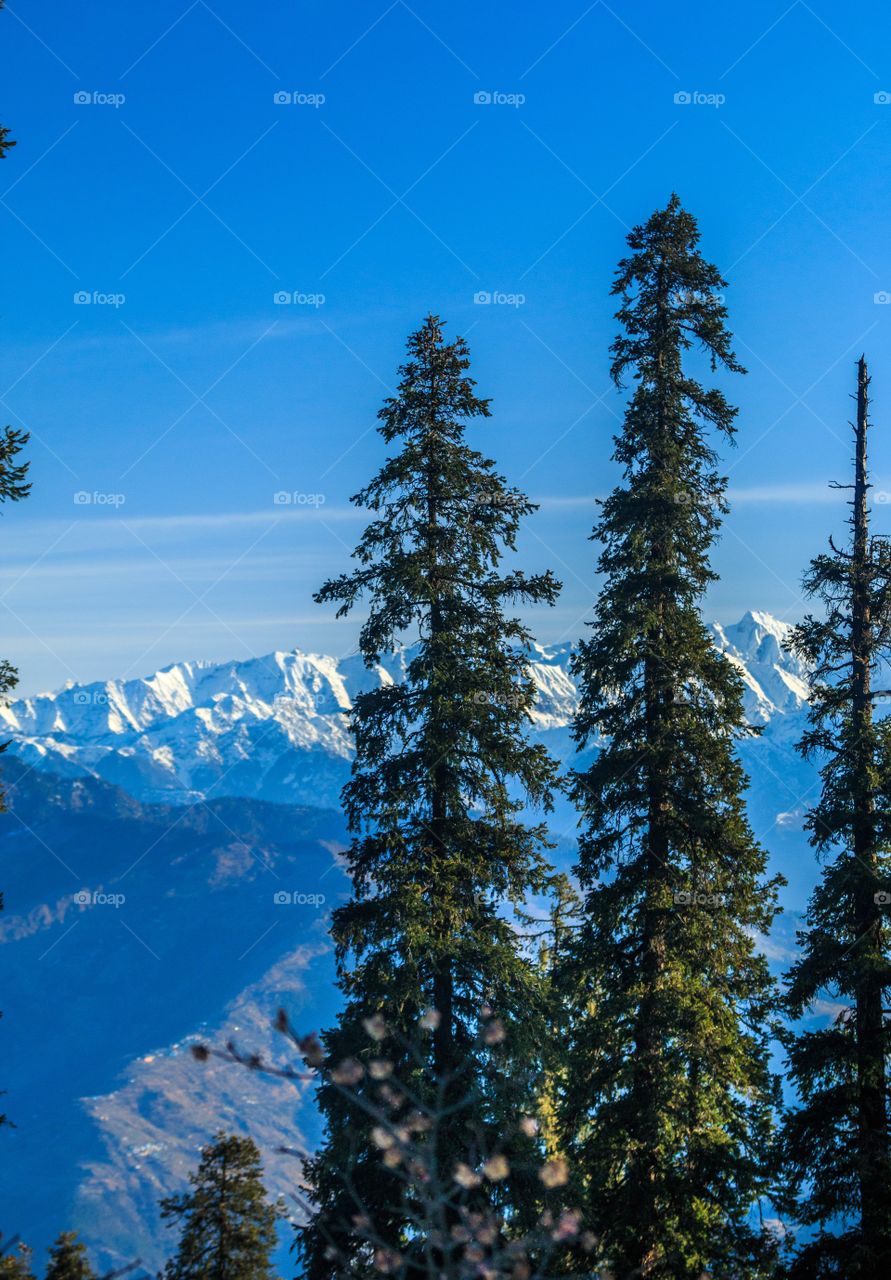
(199, 197)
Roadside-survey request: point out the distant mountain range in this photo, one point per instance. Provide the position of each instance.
(168, 865)
(274, 728)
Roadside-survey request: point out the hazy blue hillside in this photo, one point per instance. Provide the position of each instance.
(128, 929)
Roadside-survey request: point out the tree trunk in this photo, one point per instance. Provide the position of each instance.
(873, 1163)
(647, 1034)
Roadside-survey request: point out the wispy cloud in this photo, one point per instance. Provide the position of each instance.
(765, 495)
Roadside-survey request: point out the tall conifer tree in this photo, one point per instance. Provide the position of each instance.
(442, 769)
(228, 1227)
(13, 488)
(837, 1144)
(669, 1112)
(68, 1259)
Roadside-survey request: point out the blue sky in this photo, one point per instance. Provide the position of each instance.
(180, 189)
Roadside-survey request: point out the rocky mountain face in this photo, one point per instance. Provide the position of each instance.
(169, 861)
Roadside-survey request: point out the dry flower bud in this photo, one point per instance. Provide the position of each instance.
(376, 1027)
(494, 1032)
(555, 1173)
(311, 1048)
(392, 1097)
(496, 1168)
(568, 1226)
(529, 1126)
(431, 1019)
(348, 1072)
(386, 1260)
(466, 1177)
(382, 1137)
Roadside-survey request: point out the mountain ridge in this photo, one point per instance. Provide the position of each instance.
(275, 727)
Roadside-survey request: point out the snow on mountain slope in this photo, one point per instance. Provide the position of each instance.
(775, 680)
(274, 727)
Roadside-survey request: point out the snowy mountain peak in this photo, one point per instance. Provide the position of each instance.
(274, 727)
(775, 678)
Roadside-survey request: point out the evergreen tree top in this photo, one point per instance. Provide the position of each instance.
(433, 377)
(445, 514)
(672, 299)
(228, 1229)
(68, 1259)
(16, 1262)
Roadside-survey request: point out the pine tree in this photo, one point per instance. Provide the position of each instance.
(228, 1228)
(13, 488)
(442, 771)
(669, 1113)
(6, 143)
(837, 1145)
(68, 1259)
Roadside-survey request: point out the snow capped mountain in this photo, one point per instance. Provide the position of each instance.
(274, 728)
(775, 679)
